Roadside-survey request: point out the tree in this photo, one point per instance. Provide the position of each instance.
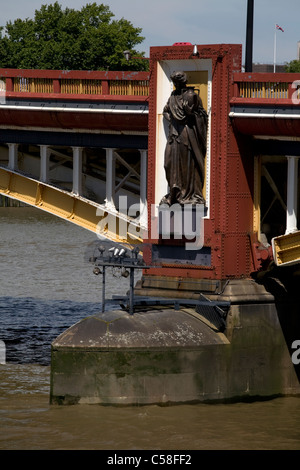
(293, 66)
(86, 39)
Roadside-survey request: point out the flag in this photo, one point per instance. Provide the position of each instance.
(279, 27)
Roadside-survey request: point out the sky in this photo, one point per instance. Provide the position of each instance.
(164, 22)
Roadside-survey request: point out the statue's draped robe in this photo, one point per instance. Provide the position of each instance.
(185, 150)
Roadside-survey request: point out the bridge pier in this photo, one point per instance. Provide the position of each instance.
(77, 171)
(45, 153)
(110, 178)
(292, 194)
(143, 187)
(13, 156)
(165, 355)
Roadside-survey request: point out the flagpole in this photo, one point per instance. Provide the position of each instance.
(275, 49)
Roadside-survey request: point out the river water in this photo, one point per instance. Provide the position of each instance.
(47, 285)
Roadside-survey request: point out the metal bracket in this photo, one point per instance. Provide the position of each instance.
(127, 261)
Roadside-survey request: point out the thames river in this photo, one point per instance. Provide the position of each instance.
(47, 284)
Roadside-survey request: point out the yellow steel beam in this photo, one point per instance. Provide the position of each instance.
(286, 249)
(70, 207)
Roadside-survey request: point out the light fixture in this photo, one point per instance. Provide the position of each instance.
(124, 272)
(195, 50)
(135, 251)
(101, 250)
(97, 271)
(127, 55)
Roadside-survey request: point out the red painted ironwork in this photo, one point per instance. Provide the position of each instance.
(73, 119)
(255, 92)
(227, 229)
(57, 75)
(94, 87)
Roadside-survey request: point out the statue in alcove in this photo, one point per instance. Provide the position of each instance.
(186, 144)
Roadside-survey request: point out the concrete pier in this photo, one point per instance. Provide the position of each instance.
(167, 356)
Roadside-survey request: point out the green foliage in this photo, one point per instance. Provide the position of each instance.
(86, 39)
(293, 66)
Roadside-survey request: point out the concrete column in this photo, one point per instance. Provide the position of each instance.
(110, 178)
(143, 187)
(77, 171)
(44, 165)
(13, 156)
(292, 194)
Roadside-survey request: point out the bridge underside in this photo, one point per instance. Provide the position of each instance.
(274, 136)
(80, 177)
(76, 154)
(70, 138)
(275, 129)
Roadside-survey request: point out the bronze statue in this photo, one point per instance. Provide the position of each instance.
(186, 145)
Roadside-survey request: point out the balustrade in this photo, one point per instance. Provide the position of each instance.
(44, 82)
(266, 86)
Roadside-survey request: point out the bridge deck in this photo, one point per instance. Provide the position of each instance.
(93, 101)
(56, 113)
(72, 141)
(266, 104)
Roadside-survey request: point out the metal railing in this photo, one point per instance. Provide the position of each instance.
(31, 85)
(81, 87)
(47, 82)
(263, 90)
(267, 86)
(126, 87)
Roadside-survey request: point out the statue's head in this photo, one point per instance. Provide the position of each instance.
(179, 78)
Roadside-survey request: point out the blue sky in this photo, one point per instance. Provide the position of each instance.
(164, 22)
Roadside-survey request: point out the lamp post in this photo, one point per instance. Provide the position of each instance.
(249, 36)
(128, 56)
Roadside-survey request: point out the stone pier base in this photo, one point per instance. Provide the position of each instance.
(165, 356)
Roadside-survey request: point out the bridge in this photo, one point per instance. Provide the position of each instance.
(77, 144)
(266, 107)
(74, 142)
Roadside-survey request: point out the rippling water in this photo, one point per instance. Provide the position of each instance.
(46, 285)
(29, 422)
(28, 325)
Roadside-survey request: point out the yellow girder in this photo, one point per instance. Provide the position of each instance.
(70, 207)
(286, 249)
